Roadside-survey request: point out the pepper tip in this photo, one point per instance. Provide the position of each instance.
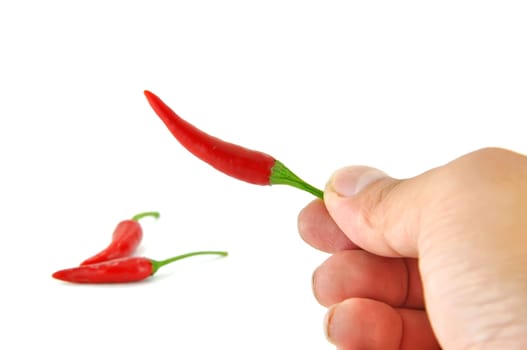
(57, 275)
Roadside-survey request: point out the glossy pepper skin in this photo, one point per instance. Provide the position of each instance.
(236, 161)
(114, 271)
(244, 164)
(123, 270)
(125, 240)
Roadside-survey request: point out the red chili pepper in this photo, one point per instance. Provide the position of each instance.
(130, 269)
(236, 161)
(125, 239)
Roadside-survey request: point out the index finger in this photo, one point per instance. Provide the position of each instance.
(318, 229)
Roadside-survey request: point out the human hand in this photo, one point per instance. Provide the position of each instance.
(438, 260)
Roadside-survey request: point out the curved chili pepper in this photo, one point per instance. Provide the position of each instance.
(130, 269)
(236, 161)
(125, 239)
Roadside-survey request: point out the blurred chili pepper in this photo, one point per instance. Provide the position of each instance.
(125, 239)
(236, 161)
(130, 269)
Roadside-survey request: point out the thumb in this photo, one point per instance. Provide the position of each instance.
(378, 213)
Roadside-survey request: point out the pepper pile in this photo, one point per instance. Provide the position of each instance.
(115, 263)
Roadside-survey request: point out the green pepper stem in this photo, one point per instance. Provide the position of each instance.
(281, 175)
(139, 216)
(156, 264)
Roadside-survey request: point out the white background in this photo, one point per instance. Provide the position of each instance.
(400, 85)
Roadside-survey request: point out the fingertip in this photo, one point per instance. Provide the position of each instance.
(355, 199)
(363, 324)
(341, 202)
(360, 323)
(319, 230)
(343, 186)
(306, 219)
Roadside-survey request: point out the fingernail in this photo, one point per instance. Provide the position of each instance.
(349, 181)
(313, 282)
(327, 323)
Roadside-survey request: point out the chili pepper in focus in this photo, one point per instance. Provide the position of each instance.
(129, 269)
(125, 239)
(236, 161)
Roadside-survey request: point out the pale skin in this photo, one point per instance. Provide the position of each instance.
(437, 261)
